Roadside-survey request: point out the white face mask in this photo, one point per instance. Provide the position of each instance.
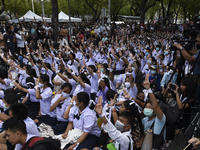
(171, 71)
(65, 94)
(41, 85)
(127, 84)
(119, 126)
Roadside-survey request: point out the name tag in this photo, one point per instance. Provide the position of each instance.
(8, 40)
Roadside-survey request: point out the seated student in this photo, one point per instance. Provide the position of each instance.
(15, 130)
(120, 132)
(60, 103)
(44, 93)
(19, 110)
(104, 87)
(82, 117)
(4, 80)
(35, 103)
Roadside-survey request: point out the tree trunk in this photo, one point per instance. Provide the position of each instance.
(142, 11)
(54, 18)
(3, 7)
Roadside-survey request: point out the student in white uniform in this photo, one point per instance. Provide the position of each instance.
(82, 117)
(34, 106)
(120, 132)
(60, 103)
(4, 80)
(44, 94)
(93, 77)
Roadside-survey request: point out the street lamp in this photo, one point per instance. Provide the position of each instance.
(42, 2)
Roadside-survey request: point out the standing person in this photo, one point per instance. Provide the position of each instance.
(20, 41)
(9, 40)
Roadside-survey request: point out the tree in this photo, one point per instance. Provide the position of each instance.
(15, 6)
(116, 6)
(3, 6)
(140, 7)
(54, 18)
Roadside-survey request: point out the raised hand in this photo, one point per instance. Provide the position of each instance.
(146, 83)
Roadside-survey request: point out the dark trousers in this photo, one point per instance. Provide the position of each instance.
(47, 120)
(60, 128)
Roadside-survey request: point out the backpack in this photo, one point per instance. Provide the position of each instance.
(171, 112)
(42, 143)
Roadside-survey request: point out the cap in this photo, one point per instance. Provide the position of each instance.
(153, 67)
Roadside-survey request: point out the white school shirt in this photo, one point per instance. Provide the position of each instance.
(32, 95)
(1, 94)
(87, 121)
(36, 70)
(119, 64)
(6, 85)
(50, 74)
(64, 105)
(60, 80)
(73, 66)
(45, 102)
(122, 140)
(20, 41)
(94, 82)
(79, 89)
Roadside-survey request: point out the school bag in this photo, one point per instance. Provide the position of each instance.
(42, 143)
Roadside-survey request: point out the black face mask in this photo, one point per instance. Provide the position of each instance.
(198, 46)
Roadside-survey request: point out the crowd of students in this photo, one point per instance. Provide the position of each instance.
(106, 81)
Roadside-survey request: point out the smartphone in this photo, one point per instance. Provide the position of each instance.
(188, 147)
(172, 86)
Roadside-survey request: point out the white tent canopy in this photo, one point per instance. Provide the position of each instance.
(29, 16)
(62, 17)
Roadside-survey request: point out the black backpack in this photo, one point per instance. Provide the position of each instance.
(42, 143)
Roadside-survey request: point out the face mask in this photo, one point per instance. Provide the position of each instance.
(97, 51)
(171, 71)
(136, 51)
(166, 52)
(74, 103)
(44, 70)
(102, 70)
(77, 83)
(139, 99)
(119, 126)
(157, 48)
(153, 71)
(29, 64)
(146, 54)
(149, 61)
(172, 52)
(109, 102)
(4, 106)
(127, 84)
(148, 112)
(41, 85)
(133, 68)
(65, 94)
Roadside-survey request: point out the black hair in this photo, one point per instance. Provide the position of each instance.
(11, 98)
(22, 65)
(110, 94)
(30, 82)
(138, 63)
(129, 117)
(3, 74)
(93, 68)
(83, 97)
(27, 67)
(73, 55)
(48, 65)
(134, 111)
(19, 110)
(39, 62)
(84, 78)
(10, 90)
(15, 124)
(68, 74)
(44, 78)
(189, 83)
(7, 28)
(106, 81)
(32, 72)
(148, 101)
(67, 85)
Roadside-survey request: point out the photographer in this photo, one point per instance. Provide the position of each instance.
(193, 59)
